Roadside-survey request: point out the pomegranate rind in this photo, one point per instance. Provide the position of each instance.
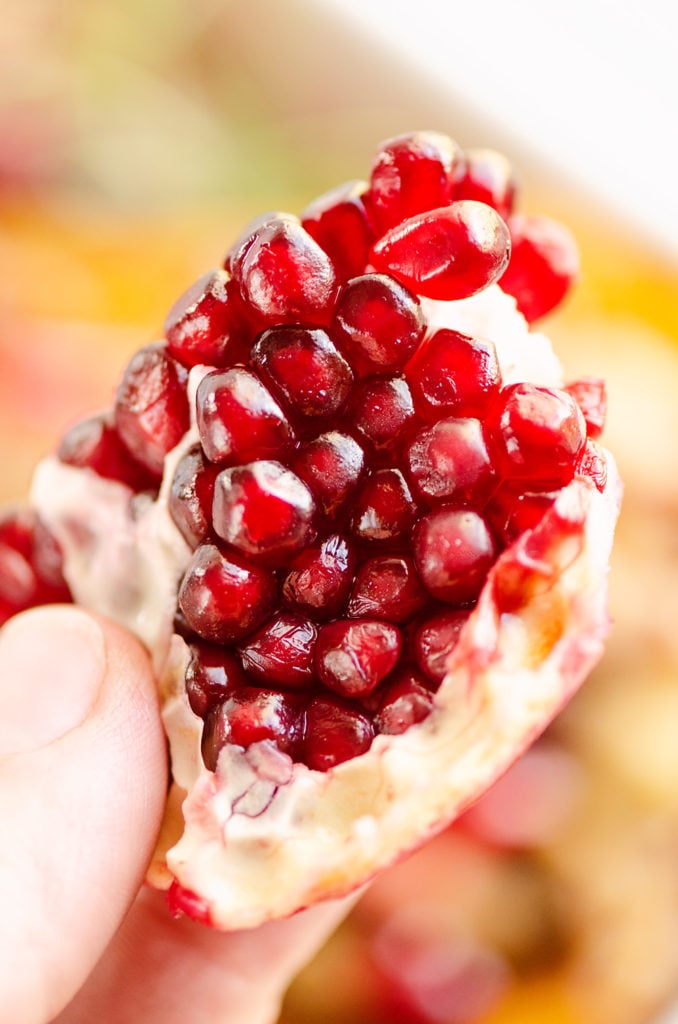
(264, 838)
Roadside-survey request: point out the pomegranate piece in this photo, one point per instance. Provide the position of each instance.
(382, 413)
(407, 700)
(223, 596)
(338, 222)
(590, 395)
(332, 466)
(449, 461)
(453, 552)
(95, 444)
(448, 253)
(387, 587)
(319, 579)
(538, 435)
(304, 369)
(335, 732)
(251, 715)
(434, 639)
(544, 264)
(487, 176)
(206, 325)
(353, 655)
(191, 496)
(411, 173)
(281, 652)
(384, 510)
(263, 509)
(453, 375)
(213, 673)
(151, 407)
(238, 418)
(378, 323)
(284, 275)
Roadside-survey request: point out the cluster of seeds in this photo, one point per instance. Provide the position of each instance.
(356, 473)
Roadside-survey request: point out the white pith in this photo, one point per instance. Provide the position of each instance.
(261, 837)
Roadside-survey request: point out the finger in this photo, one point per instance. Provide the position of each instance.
(82, 787)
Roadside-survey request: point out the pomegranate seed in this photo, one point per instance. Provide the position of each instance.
(284, 275)
(353, 655)
(151, 407)
(30, 565)
(332, 466)
(487, 176)
(263, 510)
(305, 370)
(453, 375)
(434, 639)
(224, 597)
(338, 222)
(384, 510)
(382, 412)
(281, 651)
(319, 579)
(539, 434)
(449, 461)
(238, 419)
(387, 587)
(593, 465)
(95, 444)
(378, 323)
(213, 673)
(204, 326)
(191, 496)
(453, 552)
(513, 510)
(251, 715)
(407, 701)
(410, 174)
(450, 253)
(544, 264)
(335, 732)
(590, 395)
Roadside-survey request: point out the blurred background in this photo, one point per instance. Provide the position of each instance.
(137, 138)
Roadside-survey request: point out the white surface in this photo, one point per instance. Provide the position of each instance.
(591, 85)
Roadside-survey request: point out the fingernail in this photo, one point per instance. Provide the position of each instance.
(52, 665)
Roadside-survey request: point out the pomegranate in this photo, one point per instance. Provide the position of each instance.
(359, 520)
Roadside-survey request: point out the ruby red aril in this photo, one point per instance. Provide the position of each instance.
(383, 413)
(434, 638)
(384, 510)
(338, 222)
(592, 464)
(448, 253)
(332, 466)
(453, 551)
(377, 322)
(335, 731)
(252, 715)
(411, 173)
(544, 264)
(281, 652)
(212, 674)
(30, 565)
(591, 396)
(319, 579)
(95, 444)
(486, 176)
(449, 461)
(513, 510)
(407, 700)
(453, 374)
(191, 496)
(387, 587)
(304, 369)
(205, 324)
(352, 656)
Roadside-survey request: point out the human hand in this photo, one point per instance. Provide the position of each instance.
(83, 780)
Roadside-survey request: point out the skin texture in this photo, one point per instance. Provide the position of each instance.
(82, 787)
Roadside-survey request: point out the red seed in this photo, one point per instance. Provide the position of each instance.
(434, 639)
(453, 375)
(95, 444)
(384, 510)
(544, 264)
(191, 496)
(513, 510)
(264, 510)
(592, 464)
(353, 655)
(538, 435)
(411, 173)
(407, 700)
(590, 395)
(382, 412)
(387, 587)
(281, 652)
(378, 323)
(213, 673)
(284, 275)
(448, 253)
(304, 369)
(449, 461)
(238, 418)
(223, 596)
(252, 715)
(151, 407)
(30, 564)
(332, 466)
(319, 579)
(206, 325)
(335, 732)
(338, 222)
(453, 552)
(487, 176)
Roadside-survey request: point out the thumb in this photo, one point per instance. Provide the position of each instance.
(82, 787)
